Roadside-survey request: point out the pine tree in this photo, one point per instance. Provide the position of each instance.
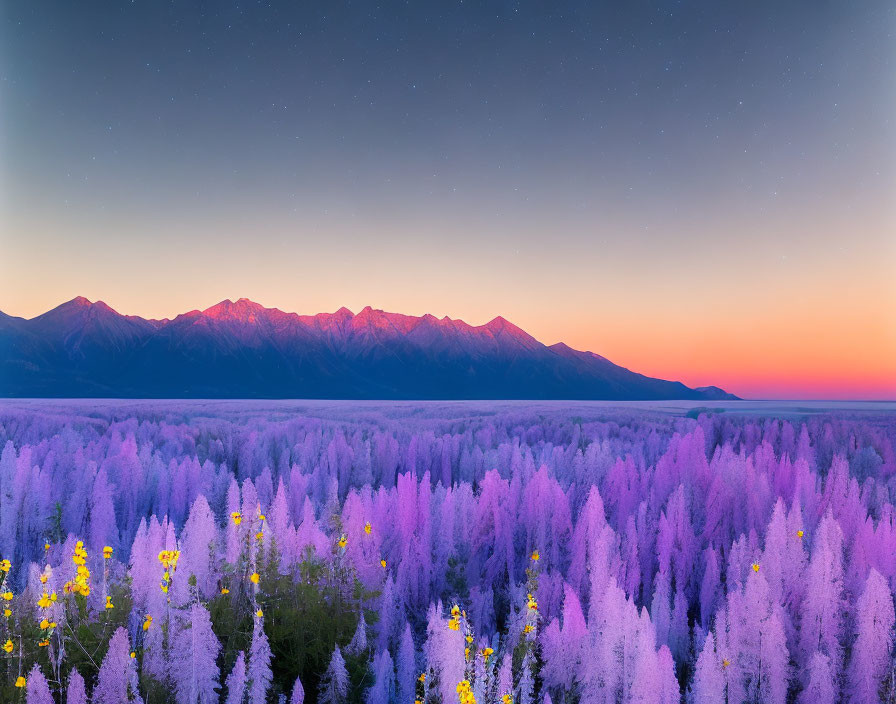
(37, 690)
(871, 651)
(708, 684)
(259, 670)
(298, 693)
(820, 687)
(383, 689)
(117, 679)
(334, 684)
(76, 692)
(236, 681)
(407, 667)
(194, 669)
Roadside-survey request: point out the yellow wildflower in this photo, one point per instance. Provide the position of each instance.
(133, 655)
(237, 518)
(259, 613)
(383, 563)
(368, 528)
(755, 566)
(225, 590)
(259, 535)
(7, 613)
(8, 646)
(7, 596)
(799, 533)
(342, 541)
(535, 556)
(5, 565)
(45, 624)
(486, 652)
(507, 699)
(422, 677)
(726, 662)
(107, 552)
(20, 682)
(147, 622)
(254, 578)
(109, 604)
(43, 579)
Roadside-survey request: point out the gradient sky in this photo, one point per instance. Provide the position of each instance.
(703, 191)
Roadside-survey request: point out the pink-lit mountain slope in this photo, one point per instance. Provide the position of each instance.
(244, 350)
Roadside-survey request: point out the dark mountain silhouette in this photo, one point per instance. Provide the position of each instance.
(243, 350)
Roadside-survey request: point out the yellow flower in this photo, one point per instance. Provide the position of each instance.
(259, 613)
(8, 646)
(466, 653)
(755, 566)
(7, 596)
(147, 622)
(799, 533)
(422, 677)
(507, 699)
(43, 579)
(20, 682)
(261, 517)
(43, 643)
(367, 528)
(454, 624)
(486, 652)
(469, 639)
(535, 556)
(46, 546)
(225, 590)
(44, 602)
(259, 535)
(383, 563)
(254, 578)
(237, 518)
(532, 604)
(109, 604)
(455, 611)
(133, 655)
(5, 565)
(726, 662)
(342, 541)
(107, 552)
(7, 613)
(45, 624)
(527, 628)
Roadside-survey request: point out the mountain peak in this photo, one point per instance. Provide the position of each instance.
(243, 310)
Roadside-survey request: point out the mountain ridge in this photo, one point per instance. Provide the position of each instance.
(243, 349)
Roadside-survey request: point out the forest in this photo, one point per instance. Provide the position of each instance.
(443, 553)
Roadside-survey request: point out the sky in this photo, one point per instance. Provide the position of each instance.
(701, 191)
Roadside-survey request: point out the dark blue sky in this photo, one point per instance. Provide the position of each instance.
(610, 161)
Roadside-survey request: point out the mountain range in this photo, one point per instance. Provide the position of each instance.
(244, 350)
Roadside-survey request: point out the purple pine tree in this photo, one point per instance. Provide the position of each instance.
(259, 670)
(37, 691)
(334, 684)
(193, 669)
(236, 681)
(76, 692)
(871, 651)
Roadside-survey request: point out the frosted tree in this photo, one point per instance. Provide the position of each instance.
(117, 679)
(76, 692)
(259, 671)
(821, 621)
(407, 667)
(358, 643)
(298, 693)
(194, 669)
(820, 687)
(236, 681)
(37, 690)
(870, 660)
(708, 684)
(383, 689)
(334, 684)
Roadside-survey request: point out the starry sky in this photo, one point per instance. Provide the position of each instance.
(699, 190)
